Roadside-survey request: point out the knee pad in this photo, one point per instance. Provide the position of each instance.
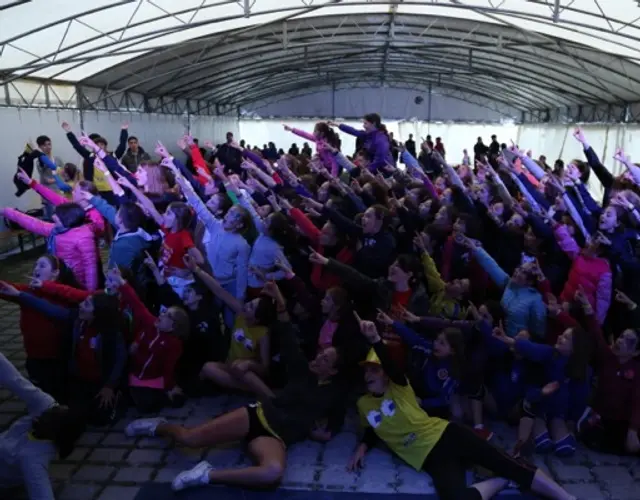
(543, 443)
(566, 446)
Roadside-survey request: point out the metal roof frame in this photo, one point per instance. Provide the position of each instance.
(494, 58)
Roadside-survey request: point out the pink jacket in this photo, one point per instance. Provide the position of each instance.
(592, 273)
(325, 154)
(96, 221)
(76, 248)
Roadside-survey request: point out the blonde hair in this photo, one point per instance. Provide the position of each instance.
(181, 323)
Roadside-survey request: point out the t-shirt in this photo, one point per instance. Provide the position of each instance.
(245, 340)
(398, 420)
(174, 248)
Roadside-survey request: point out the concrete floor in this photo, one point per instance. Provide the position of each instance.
(108, 465)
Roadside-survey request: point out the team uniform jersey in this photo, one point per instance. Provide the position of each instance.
(398, 420)
(245, 340)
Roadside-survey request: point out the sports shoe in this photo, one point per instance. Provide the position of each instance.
(483, 432)
(587, 420)
(197, 476)
(143, 427)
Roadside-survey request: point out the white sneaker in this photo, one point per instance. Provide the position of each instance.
(197, 476)
(143, 427)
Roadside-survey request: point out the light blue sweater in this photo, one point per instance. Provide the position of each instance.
(265, 252)
(24, 459)
(523, 306)
(227, 253)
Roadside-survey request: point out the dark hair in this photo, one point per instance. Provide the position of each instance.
(409, 263)
(327, 134)
(281, 230)
(377, 121)
(131, 215)
(42, 139)
(581, 354)
(183, 214)
(132, 138)
(89, 187)
(71, 215)
(455, 338)
(101, 140)
(61, 425)
(65, 274)
(71, 170)
(379, 192)
(225, 204)
(343, 303)
(265, 313)
(382, 213)
(106, 312)
(94, 137)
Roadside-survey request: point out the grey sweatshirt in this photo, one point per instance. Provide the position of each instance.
(23, 458)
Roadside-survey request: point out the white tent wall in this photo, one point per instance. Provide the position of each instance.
(554, 141)
(391, 103)
(213, 128)
(22, 125)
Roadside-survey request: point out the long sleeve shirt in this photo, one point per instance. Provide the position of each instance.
(523, 306)
(24, 459)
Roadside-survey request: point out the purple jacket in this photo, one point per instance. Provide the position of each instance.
(376, 143)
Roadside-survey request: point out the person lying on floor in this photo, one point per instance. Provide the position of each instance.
(49, 430)
(267, 427)
(445, 450)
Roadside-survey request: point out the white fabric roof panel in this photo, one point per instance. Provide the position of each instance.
(587, 50)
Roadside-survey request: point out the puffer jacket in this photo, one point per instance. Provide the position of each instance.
(95, 220)
(76, 247)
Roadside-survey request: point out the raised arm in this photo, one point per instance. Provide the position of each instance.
(491, 267)
(29, 223)
(212, 284)
(140, 311)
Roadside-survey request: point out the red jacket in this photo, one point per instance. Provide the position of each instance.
(155, 354)
(617, 396)
(320, 277)
(42, 335)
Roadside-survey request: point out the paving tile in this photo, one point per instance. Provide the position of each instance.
(78, 492)
(134, 475)
(299, 475)
(337, 477)
(573, 473)
(612, 474)
(94, 473)
(119, 493)
(62, 471)
(107, 455)
(117, 439)
(146, 456)
(90, 438)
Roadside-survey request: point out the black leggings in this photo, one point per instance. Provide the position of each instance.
(460, 448)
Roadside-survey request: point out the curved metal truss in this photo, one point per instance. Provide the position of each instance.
(525, 54)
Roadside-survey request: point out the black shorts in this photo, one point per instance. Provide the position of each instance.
(256, 429)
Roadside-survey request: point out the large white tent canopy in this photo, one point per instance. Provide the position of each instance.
(526, 54)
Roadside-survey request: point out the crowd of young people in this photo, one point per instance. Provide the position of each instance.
(432, 295)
